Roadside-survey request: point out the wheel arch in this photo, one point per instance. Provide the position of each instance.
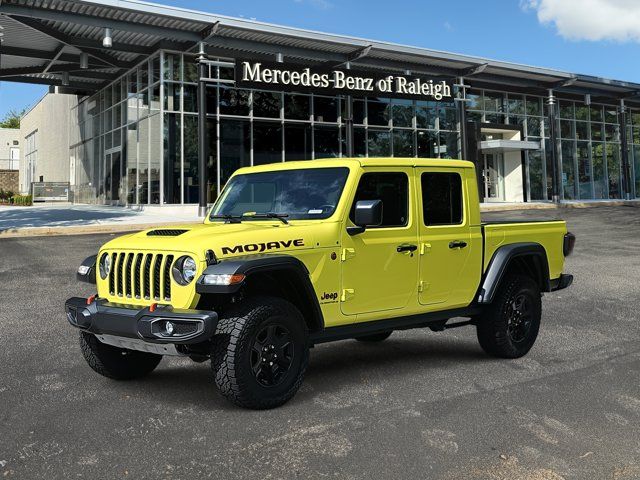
(283, 276)
(528, 258)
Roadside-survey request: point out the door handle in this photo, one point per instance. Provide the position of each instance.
(406, 248)
(457, 244)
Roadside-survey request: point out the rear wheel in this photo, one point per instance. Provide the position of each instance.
(116, 363)
(375, 337)
(508, 328)
(260, 352)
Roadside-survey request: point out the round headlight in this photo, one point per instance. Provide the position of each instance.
(105, 265)
(184, 270)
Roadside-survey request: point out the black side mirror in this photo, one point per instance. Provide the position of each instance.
(368, 213)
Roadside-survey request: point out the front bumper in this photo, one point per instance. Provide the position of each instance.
(104, 318)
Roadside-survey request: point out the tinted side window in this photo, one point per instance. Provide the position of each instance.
(390, 187)
(442, 198)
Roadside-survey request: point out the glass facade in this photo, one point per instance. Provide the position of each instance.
(136, 141)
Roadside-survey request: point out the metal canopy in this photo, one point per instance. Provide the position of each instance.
(44, 39)
(503, 146)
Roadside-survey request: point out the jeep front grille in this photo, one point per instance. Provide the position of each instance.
(141, 275)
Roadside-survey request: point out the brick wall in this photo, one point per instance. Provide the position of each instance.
(9, 180)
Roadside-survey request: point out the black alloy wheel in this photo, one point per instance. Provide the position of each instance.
(272, 355)
(519, 319)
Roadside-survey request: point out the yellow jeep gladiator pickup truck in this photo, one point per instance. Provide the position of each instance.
(299, 253)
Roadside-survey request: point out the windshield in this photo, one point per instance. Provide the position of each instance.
(305, 194)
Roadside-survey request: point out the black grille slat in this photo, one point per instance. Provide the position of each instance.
(156, 277)
(147, 276)
(166, 232)
(137, 278)
(167, 277)
(120, 275)
(127, 275)
(112, 274)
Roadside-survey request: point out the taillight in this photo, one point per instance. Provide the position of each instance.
(568, 244)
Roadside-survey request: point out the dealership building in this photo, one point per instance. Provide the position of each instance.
(167, 103)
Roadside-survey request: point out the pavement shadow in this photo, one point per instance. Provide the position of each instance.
(14, 218)
(332, 368)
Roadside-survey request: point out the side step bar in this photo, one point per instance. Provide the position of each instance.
(434, 320)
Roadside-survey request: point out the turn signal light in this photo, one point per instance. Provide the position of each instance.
(222, 279)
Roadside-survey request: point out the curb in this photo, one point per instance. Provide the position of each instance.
(81, 230)
(558, 206)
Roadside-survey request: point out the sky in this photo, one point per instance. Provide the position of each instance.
(595, 37)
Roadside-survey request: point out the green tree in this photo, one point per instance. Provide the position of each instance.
(12, 119)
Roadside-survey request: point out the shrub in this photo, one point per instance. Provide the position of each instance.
(22, 200)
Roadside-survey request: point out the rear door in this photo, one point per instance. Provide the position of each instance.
(380, 265)
(449, 272)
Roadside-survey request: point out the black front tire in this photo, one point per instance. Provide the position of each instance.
(508, 328)
(375, 337)
(116, 363)
(260, 352)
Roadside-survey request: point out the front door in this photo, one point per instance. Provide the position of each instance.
(449, 254)
(114, 182)
(493, 175)
(380, 265)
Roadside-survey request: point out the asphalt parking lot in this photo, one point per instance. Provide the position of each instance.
(419, 405)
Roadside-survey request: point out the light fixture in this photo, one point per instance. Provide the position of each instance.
(107, 41)
(279, 58)
(169, 328)
(65, 78)
(84, 60)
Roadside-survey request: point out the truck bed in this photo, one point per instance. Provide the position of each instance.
(548, 233)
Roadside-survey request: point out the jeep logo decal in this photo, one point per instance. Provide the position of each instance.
(329, 297)
(261, 247)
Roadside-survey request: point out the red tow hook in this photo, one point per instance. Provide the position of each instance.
(152, 307)
(91, 299)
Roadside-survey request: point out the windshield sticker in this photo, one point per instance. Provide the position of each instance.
(315, 211)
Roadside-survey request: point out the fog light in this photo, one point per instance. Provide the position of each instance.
(168, 328)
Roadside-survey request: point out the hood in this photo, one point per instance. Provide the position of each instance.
(225, 239)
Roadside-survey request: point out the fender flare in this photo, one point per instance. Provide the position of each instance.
(253, 264)
(499, 264)
(90, 276)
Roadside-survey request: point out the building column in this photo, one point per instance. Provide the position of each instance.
(349, 125)
(203, 141)
(462, 118)
(553, 141)
(624, 149)
(348, 121)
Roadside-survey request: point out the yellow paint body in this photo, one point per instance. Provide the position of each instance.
(356, 278)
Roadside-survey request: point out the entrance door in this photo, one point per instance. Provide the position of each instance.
(493, 176)
(380, 265)
(114, 184)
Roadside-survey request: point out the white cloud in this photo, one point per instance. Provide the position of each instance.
(593, 20)
(448, 27)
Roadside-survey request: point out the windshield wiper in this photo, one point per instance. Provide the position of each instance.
(280, 216)
(228, 218)
(238, 218)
